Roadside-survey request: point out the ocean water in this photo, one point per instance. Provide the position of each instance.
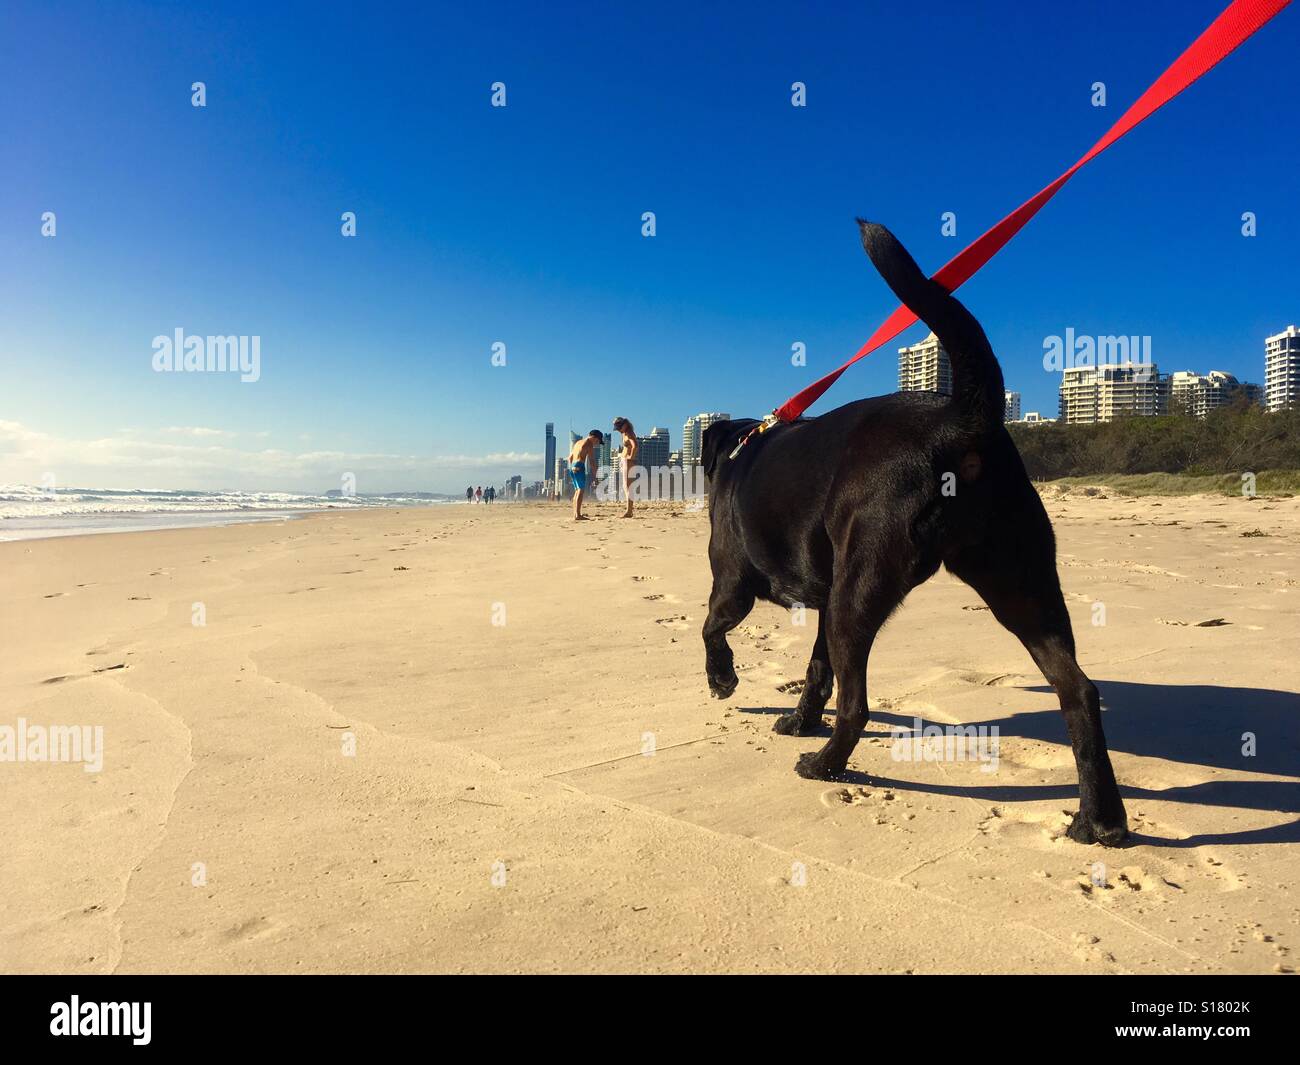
(27, 512)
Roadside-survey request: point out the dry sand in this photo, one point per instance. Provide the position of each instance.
(499, 813)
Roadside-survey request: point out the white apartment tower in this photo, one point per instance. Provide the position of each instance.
(1011, 406)
(1282, 369)
(693, 435)
(1198, 394)
(924, 367)
(1103, 393)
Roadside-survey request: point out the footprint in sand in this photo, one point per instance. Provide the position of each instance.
(253, 928)
(1139, 879)
(1113, 886)
(1024, 826)
(1254, 932)
(1028, 754)
(1230, 879)
(675, 621)
(882, 806)
(1088, 950)
(645, 579)
(996, 680)
(834, 798)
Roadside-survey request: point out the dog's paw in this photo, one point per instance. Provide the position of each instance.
(721, 686)
(797, 724)
(813, 698)
(1087, 830)
(813, 767)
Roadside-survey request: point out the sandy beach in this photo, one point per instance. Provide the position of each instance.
(469, 738)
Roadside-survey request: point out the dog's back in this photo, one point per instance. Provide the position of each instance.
(780, 502)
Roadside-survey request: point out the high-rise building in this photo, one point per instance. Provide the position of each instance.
(1282, 369)
(652, 450)
(1011, 406)
(924, 367)
(1198, 394)
(549, 465)
(1103, 393)
(693, 435)
(690, 445)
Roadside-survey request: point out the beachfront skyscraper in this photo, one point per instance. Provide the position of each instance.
(1010, 406)
(549, 467)
(1103, 393)
(1198, 394)
(924, 367)
(1282, 369)
(693, 435)
(653, 449)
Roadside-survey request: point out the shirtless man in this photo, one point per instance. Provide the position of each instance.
(626, 458)
(582, 466)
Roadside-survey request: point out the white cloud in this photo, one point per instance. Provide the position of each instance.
(199, 431)
(209, 459)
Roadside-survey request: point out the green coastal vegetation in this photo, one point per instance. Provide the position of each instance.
(1171, 454)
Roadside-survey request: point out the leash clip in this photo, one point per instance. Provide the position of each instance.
(761, 427)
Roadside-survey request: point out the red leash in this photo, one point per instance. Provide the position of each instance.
(1239, 20)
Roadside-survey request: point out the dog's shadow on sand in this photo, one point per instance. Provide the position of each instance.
(1197, 724)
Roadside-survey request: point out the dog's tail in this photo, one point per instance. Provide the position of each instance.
(976, 376)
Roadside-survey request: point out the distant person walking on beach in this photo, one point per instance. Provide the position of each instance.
(491, 494)
(626, 457)
(582, 465)
(469, 494)
(478, 494)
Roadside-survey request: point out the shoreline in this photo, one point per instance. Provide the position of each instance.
(105, 523)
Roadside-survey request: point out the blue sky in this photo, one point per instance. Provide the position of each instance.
(522, 224)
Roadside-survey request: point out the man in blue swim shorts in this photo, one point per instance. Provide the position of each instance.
(582, 467)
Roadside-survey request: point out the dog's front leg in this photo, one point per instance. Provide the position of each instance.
(729, 605)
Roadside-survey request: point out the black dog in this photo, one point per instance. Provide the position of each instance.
(848, 512)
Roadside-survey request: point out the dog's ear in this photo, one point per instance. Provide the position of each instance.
(715, 440)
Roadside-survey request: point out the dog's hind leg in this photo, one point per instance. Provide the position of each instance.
(1026, 598)
(819, 682)
(729, 604)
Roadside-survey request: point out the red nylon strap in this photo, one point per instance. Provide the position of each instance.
(1238, 21)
